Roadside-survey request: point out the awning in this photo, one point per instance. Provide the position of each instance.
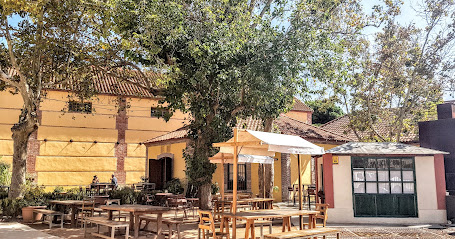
(266, 144)
(242, 158)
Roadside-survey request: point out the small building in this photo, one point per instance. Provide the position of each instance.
(374, 182)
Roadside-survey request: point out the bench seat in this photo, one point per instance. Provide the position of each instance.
(103, 221)
(314, 232)
(50, 214)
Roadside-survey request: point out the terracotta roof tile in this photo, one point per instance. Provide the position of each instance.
(283, 124)
(104, 83)
(300, 106)
(341, 126)
(288, 125)
(176, 134)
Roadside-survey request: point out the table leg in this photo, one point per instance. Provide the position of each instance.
(253, 236)
(136, 225)
(234, 228)
(73, 215)
(131, 220)
(247, 229)
(310, 221)
(159, 225)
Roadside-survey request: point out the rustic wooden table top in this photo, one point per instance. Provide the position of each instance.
(246, 200)
(66, 202)
(269, 213)
(135, 208)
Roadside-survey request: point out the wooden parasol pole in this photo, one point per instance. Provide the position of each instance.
(300, 191)
(234, 187)
(222, 178)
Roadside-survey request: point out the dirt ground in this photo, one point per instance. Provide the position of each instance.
(189, 231)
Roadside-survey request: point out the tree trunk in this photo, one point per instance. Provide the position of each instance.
(205, 196)
(28, 123)
(268, 180)
(20, 139)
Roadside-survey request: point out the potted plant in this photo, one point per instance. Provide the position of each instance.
(27, 214)
(34, 198)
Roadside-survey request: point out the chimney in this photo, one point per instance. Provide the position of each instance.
(446, 111)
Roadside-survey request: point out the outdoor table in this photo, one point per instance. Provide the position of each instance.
(73, 204)
(135, 211)
(251, 216)
(162, 197)
(99, 186)
(255, 202)
(101, 199)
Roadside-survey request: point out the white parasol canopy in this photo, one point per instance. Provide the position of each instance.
(259, 147)
(242, 158)
(266, 144)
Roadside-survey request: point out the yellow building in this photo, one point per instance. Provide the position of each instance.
(165, 156)
(77, 140)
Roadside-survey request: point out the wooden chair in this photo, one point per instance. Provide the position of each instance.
(322, 208)
(150, 199)
(87, 210)
(207, 225)
(178, 203)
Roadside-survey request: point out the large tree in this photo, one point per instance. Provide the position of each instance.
(324, 110)
(400, 75)
(228, 60)
(45, 44)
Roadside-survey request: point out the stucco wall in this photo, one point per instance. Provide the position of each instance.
(426, 195)
(178, 166)
(61, 162)
(300, 115)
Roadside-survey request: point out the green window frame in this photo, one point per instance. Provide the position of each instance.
(384, 186)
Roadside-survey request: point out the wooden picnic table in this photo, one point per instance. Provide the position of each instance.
(74, 204)
(255, 202)
(99, 186)
(162, 197)
(251, 216)
(137, 210)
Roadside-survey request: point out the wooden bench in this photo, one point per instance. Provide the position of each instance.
(50, 214)
(166, 221)
(108, 223)
(314, 232)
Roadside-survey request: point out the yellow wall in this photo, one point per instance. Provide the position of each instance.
(177, 151)
(61, 162)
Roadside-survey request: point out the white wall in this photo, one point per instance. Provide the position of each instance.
(426, 195)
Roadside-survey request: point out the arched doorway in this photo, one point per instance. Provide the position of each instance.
(160, 170)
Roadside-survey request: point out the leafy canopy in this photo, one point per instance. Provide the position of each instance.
(230, 59)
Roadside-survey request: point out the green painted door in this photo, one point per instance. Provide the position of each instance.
(384, 187)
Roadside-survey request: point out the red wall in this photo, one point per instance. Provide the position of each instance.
(440, 181)
(328, 180)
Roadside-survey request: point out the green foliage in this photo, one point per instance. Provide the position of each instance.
(215, 188)
(174, 186)
(227, 60)
(325, 110)
(127, 195)
(12, 207)
(58, 189)
(35, 196)
(51, 44)
(5, 174)
(400, 77)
